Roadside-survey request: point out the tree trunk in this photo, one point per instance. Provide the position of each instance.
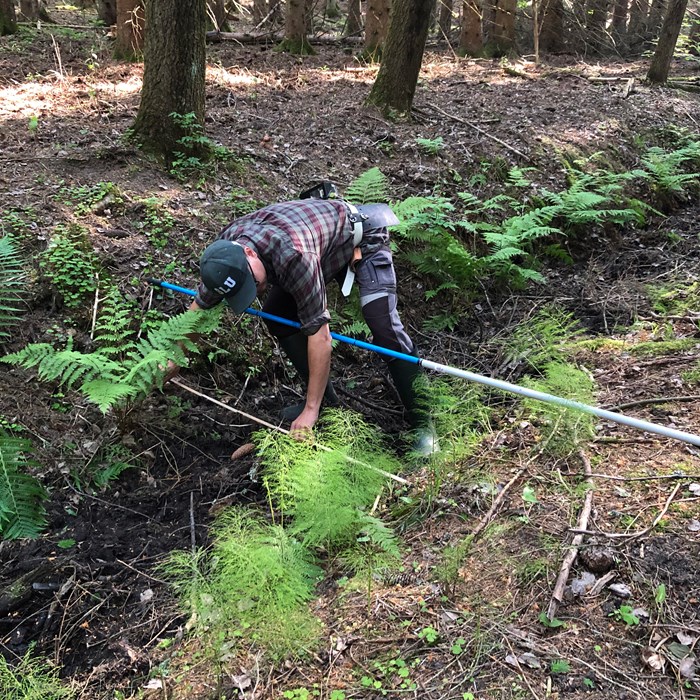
(471, 37)
(29, 10)
(353, 27)
(502, 39)
(216, 11)
(694, 37)
(445, 20)
(637, 27)
(128, 43)
(173, 76)
(551, 14)
(260, 10)
(488, 18)
(656, 16)
(396, 81)
(596, 19)
(107, 12)
(295, 40)
(376, 25)
(8, 18)
(619, 20)
(661, 61)
(332, 9)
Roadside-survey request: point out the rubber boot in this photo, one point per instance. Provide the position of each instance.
(407, 377)
(295, 348)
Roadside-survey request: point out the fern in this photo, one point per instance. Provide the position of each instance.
(21, 511)
(666, 174)
(563, 430)
(369, 188)
(541, 339)
(108, 381)
(32, 678)
(255, 581)
(325, 493)
(11, 279)
(114, 327)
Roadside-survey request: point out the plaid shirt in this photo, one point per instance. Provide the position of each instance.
(303, 245)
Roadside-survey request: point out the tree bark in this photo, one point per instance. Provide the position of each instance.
(128, 43)
(295, 40)
(376, 26)
(353, 26)
(656, 17)
(173, 77)
(445, 20)
(637, 26)
(107, 12)
(471, 37)
(8, 18)
(596, 19)
(694, 37)
(29, 10)
(618, 26)
(502, 39)
(551, 14)
(216, 11)
(661, 61)
(260, 11)
(396, 81)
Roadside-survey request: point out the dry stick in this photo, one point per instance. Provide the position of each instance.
(653, 477)
(496, 502)
(482, 132)
(570, 558)
(658, 399)
(386, 474)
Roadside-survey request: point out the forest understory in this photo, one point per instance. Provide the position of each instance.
(466, 611)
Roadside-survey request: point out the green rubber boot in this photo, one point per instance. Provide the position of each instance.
(295, 348)
(407, 378)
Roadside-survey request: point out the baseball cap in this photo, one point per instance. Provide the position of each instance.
(224, 270)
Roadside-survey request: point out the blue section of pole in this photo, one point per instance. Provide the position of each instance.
(478, 378)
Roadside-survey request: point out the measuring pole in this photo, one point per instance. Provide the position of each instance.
(478, 378)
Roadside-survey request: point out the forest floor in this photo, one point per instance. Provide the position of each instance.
(91, 599)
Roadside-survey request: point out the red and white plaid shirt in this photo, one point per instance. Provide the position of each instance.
(303, 245)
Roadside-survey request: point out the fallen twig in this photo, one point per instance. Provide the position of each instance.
(657, 399)
(482, 132)
(260, 421)
(570, 558)
(486, 519)
(654, 477)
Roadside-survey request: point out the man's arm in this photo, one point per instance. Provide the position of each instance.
(319, 355)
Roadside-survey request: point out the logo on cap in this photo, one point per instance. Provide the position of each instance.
(228, 284)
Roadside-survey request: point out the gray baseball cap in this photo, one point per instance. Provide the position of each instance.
(224, 270)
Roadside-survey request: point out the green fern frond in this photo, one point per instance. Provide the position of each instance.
(542, 339)
(21, 511)
(11, 279)
(369, 188)
(114, 333)
(321, 492)
(563, 430)
(32, 678)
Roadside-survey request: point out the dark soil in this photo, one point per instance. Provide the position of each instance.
(92, 599)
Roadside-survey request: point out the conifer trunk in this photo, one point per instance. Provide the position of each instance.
(396, 81)
(376, 26)
(551, 14)
(128, 43)
(295, 40)
(8, 18)
(471, 37)
(353, 26)
(173, 76)
(661, 62)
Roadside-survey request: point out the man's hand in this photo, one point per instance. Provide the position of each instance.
(301, 428)
(171, 371)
